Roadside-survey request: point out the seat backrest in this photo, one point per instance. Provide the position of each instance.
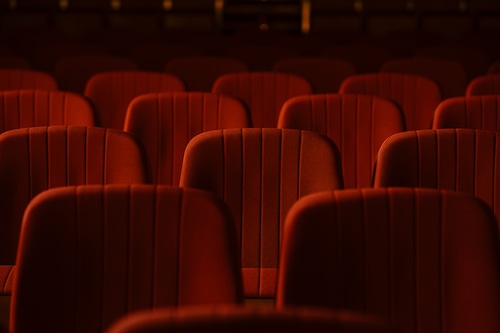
(165, 122)
(260, 173)
(73, 72)
(38, 158)
(488, 84)
(263, 92)
(260, 57)
(199, 73)
(111, 92)
(449, 74)
(417, 96)
(26, 79)
(357, 124)
(357, 55)
(109, 250)
(476, 112)
(13, 62)
(228, 319)
(325, 74)
(463, 160)
(474, 59)
(424, 259)
(31, 107)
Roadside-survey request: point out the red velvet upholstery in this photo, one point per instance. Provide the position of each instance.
(463, 160)
(260, 173)
(474, 59)
(13, 61)
(111, 92)
(26, 79)
(38, 158)
(263, 92)
(418, 96)
(449, 74)
(325, 74)
(247, 319)
(73, 72)
(426, 260)
(367, 58)
(358, 124)
(488, 84)
(29, 108)
(199, 73)
(476, 112)
(260, 57)
(165, 123)
(90, 254)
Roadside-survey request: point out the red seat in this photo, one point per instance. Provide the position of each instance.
(488, 84)
(247, 319)
(90, 254)
(463, 160)
(165, 122)
(26, 79)
(73, 72)
(358, 124)
(324, 74)
(449, 74)
(111, 92)
(476, 112)
(260, 173)
(35, 159)
(263, 92)
(423, 259)
(199, 73)
(417, 96)
(29, 108)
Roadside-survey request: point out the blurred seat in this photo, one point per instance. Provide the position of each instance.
(417, 96)
(260, 57)
(109, 250)
(463, 160)
(46, 56)
(13, 62)
(39, 158)
(476, 112)
(449, 74)
(165, 122)
(494, 67)
(366, 58)
(73, 72)
(263, 92)
(324, 74)
(247, 319)
(111, 92)
(488, 84)
(30, 108)
(260, 173)
(26, 79)
(474, 59)
(154, 56)
(199, 73)
(357, 124)
(423, 259)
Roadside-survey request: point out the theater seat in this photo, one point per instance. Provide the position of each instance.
(26, 79)
(231, 319)
(91, 254)
(260, 173)
(426, 260)
(358, 124)
(35, 159)
(111, 92)
(165, 122)
(29, 108)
